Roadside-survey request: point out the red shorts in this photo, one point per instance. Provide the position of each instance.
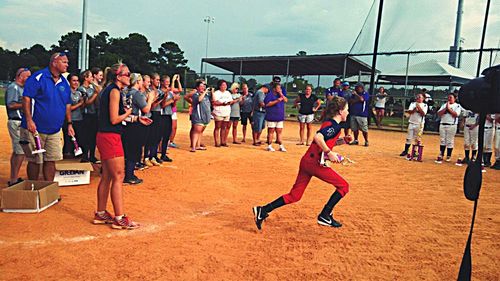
(109, 145)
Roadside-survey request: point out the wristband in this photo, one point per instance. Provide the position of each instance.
(70, 123)
(326, 152)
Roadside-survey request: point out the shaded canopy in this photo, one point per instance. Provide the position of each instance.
(291, 65)
(430, 72)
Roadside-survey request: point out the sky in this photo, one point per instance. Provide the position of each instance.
(252, 28)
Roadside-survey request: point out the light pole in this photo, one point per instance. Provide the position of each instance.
(208, 20)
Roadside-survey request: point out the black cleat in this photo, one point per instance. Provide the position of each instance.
(165, 158)
(328, 221)
(260, 215)
(404, 153)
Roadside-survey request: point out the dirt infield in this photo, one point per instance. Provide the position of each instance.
(402, 220)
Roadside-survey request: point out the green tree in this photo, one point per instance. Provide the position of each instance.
(8, 64)
(170, 59)
(135, 50)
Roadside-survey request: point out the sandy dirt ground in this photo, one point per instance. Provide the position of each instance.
(402, 220)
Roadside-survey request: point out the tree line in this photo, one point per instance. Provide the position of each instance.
(134, 50)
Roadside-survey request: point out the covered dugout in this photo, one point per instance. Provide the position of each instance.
(336, 64)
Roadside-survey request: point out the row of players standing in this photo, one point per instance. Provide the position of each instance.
(449, 114)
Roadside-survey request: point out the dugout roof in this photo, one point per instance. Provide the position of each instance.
(291, 65)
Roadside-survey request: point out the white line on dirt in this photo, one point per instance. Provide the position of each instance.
(144, 229)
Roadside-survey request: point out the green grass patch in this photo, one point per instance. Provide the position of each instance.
(2, 96)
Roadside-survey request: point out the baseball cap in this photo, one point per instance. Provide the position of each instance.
(276, 79)
(345, 83)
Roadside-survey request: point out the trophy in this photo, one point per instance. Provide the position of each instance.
(78, 149)
(38, 144)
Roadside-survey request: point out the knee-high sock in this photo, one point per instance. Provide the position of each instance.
(334, 199)
(275, 204)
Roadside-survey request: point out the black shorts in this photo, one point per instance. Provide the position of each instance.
(232, 119)
(245, 116)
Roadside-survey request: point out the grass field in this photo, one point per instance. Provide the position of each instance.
(402, 220)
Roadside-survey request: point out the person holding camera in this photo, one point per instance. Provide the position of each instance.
(222, 102)
(166, 115)
(359, 103)
(200, 115)
(177, 96)
(449, 113)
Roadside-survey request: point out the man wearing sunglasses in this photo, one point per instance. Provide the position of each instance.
(46, 102)
(13, 102)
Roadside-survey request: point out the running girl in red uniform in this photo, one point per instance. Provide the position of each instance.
(324, 140)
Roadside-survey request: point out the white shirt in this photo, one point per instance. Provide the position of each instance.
(490, 123)
(222, 110)
(471, 118)
(415, 117)
(447, 118)
(381, 101)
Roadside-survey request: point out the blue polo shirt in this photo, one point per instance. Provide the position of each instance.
(360, 108)
(48, 101)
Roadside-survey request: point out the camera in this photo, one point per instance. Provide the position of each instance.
(482, 94)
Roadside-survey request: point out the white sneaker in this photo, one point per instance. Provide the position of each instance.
(282, 148)
(270, 148)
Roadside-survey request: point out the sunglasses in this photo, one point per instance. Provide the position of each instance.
(60, 54)
(20, 71)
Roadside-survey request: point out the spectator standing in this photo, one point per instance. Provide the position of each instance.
(77, 103)
(235, 115)
(333, 91)
(346, 93)
(308, 104)
(51, 94)
(13, 102)
(90, 90)
(246, 107)
(259, 114)
(275, 116)
(221, 101)
(381, 99)
(359, 101)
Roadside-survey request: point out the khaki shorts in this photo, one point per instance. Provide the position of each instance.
(359, 123)
(221, 118)
(277, 125)
(52, 143)
(14, 127)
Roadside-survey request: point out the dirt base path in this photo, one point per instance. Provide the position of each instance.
(402, 220)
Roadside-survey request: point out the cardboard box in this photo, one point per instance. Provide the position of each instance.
(20, 198)
(69, 172)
